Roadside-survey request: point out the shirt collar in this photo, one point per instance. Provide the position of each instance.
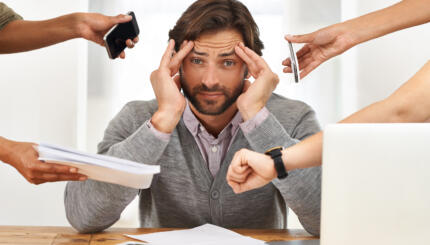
(193, 124)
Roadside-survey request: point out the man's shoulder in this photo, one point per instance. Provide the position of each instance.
(142, 104)
(139, 109)
(278, 104)
(292, 113)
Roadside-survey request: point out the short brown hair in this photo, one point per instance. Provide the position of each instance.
(213, 15)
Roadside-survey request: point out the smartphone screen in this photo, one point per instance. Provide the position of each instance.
(117, 36)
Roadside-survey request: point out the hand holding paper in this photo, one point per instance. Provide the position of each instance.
(100, 167)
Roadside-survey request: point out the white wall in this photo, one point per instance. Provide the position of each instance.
(42, 95)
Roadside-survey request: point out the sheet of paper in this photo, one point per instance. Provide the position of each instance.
(202, 235)
(100, 167)
(66, 154)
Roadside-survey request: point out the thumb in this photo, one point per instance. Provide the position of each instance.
(306, 38)
(121, 18)
(177, 80)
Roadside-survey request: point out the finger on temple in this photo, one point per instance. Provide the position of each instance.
(254, 56)
(252, 67)
(167, 56)
(177, 59)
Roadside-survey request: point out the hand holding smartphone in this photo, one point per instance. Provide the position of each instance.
(116, 37)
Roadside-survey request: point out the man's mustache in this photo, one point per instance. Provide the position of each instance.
(204, 88)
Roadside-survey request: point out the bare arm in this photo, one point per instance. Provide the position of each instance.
(333, 40)
(410, 103)
(23, 157)
(23, 35)
(28, 35)
(404, 14)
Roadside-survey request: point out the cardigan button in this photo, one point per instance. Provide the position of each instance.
(215, 195)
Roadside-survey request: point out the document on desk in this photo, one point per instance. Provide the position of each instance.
(202, 235)
(100, 167)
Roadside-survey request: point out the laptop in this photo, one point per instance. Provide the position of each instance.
(376, 184)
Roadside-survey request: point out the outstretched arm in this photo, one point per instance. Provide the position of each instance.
(333, 40)
(409, 103)
(24, 35)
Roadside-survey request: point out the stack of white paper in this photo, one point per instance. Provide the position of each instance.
(100, 167)
(203, 235)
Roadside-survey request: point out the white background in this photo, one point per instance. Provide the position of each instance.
(66, 94)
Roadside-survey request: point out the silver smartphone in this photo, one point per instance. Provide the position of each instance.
(294, 64)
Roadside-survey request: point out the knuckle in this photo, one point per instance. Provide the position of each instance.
(31, 175)
(31, 179)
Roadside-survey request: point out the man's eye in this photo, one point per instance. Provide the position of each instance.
(229, 63)
(196, 61)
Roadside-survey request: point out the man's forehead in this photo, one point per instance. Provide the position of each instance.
(218, 42)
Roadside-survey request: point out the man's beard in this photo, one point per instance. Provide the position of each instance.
(201, 106)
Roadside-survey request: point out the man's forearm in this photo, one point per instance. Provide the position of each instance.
(29, 35)
(399, 16)
(93, 206)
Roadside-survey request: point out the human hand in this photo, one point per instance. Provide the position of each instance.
(250, 170)
(166, 86)
(319, 46)
(94, 26)
(255, 95)
(24, 158)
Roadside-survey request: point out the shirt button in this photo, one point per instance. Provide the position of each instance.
(214, 149)
(215, 195)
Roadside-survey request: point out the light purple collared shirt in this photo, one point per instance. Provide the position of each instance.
(214, 149)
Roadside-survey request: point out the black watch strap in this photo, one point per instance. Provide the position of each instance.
(276, 154)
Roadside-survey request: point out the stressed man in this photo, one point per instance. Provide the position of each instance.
(213, 49)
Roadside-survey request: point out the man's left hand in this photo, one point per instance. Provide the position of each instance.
(255, 95)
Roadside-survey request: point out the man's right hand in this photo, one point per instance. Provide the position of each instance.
(23, 157)
(166, 85)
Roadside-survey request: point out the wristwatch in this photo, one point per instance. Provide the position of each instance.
(276, 154)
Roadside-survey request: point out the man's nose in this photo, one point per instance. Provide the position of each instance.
(210, 76)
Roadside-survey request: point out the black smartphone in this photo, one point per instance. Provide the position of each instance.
(115, 38)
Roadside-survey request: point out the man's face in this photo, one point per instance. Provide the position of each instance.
(212, 75)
